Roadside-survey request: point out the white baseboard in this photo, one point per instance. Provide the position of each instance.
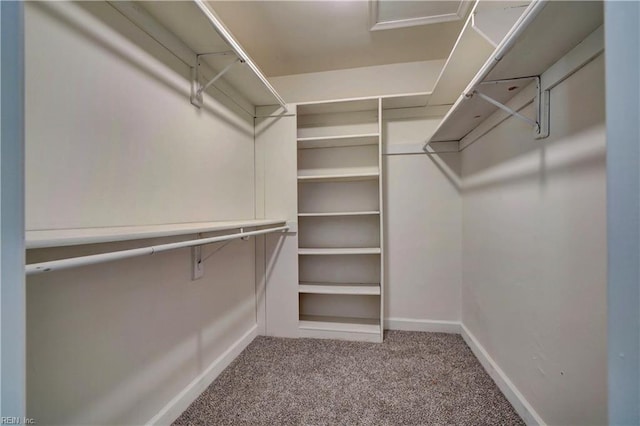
(513, 395)
(181, 402)
(431, 326)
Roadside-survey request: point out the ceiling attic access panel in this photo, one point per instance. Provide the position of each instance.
(185, 28)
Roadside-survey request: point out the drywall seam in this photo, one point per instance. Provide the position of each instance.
(170, 412)
(509, 390)
(431, 326)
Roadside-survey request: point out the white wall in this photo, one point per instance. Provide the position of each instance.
(422, 226)
(113, 140)
(359, 82)
(110, 125)
(535, 252)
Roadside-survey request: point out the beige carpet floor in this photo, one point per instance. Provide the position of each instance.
(409, 379)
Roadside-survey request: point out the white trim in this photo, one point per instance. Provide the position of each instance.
(170, 412)
(513, 395)
(431, 326)
(375, 25)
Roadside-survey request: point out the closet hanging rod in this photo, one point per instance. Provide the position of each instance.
(73, 262)
(226, 36)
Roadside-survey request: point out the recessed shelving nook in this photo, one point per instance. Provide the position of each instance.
(340, 220)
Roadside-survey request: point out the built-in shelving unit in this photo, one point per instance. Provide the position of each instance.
(193, 33)
(340, 219)
(540, 36)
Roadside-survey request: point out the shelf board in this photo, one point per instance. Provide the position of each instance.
(338, 214)
(339, 177)
(184, 29)
(340, 288)
(338, 251)
(339, 141)
(557, 28)
(341, 106)
(71, 237)
(409, 100)
(470, 52)
(342, 324)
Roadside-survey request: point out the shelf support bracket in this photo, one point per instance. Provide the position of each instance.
(198, 89)
(541, 123)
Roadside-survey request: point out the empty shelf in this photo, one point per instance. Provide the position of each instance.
(347, 105)
(190, 28)
(69, 237)
(470, 51)
(343, 324)
(337, 214)
(539, 40)
(338, 141)
(410, 100)
(338, 251)
(339, 177)
(339, 288)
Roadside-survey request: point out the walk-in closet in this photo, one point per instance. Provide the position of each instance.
(320, 212)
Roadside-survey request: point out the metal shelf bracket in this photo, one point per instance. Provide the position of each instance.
(197, 89)
(541, 123)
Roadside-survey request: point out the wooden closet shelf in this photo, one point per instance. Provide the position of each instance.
(341, 324)
(78, 236)
(338, 214)
(340, 288)
(339, 177)
(338, 251)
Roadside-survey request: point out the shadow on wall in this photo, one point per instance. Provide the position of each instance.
(121, 25)
(450, 165)
(114, 343)
(505, 160)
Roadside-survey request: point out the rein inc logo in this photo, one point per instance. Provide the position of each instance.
(17, 421)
